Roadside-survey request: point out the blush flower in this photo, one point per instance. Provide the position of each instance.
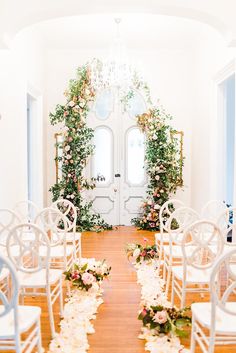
(88, 278)
(136, 253)
(160, 317)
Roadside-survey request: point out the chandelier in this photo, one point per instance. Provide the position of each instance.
(115, 71)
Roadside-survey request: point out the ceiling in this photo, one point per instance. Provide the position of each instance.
(16, 15)
(138, 31)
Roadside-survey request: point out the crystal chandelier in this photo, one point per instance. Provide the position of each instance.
(116, 70)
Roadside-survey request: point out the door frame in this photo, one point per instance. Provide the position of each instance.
(38, 172)
(218, 125)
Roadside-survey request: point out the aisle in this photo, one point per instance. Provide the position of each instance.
(116, 325)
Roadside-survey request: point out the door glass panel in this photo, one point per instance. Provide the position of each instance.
(135, 157)
(136, 105)
(102, 159)
(104, 104)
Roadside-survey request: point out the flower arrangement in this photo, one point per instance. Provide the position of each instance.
(162, 165)
(77, 147)
(166, 320)
(84, 276)
(142, 253)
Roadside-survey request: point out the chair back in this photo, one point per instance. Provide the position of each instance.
(67, 208)
(24, 251)
(9, 302)
(226, 221)
(178, 221)
(166, 210)
(8, 219)
(54, 223)
(202, 244)
(223, 284)
(27, 211)
(212, 210)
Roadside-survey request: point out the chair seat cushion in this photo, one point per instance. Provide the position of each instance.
(27, 317)
(193, 274)
(225, 323)
(38, 279)
(4, 273)
(165, 237)
(56, 251)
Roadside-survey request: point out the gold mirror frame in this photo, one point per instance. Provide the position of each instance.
(179, 135)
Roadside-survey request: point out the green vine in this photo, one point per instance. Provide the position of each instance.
(77, 148)
(162, 165)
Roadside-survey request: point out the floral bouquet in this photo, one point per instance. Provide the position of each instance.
(142, 253)
(84, 275)
(166, 320)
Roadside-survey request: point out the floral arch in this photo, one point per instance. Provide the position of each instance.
(163, 165)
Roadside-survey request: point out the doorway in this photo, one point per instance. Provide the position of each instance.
(118, 157)
(34, 150)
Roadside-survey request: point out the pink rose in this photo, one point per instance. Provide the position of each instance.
(160, 317)
(75, 275)
(88, 278)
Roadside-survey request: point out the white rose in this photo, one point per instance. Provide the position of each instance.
(67, 148)
(136, 252)
(71, 103)
(68, 156)
(149, 202)
(157, 177)
(154, 137)
(156, 207)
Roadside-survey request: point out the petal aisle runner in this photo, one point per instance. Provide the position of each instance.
(80, 308)
(152, 294)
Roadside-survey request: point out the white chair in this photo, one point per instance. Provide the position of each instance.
(202, 244)
(55, 224)
(16, 320)
(8, 219)
(69, 210)
(36, 278)
(179, 220)
(219, 315)
(212, 210)
(27, 211)
(163, 237)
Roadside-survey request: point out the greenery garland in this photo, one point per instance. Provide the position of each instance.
(77, 148)
(163, 165)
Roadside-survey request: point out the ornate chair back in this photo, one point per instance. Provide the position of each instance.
(212, 210)
(55, 224)
(27, 211)
(69, 210)
(24, 252)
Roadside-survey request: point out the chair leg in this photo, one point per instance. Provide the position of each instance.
(183, 299)
(193, 341)
(172, 290)
(61, 298)
(50, 312)
(39, 344)
(168, 279)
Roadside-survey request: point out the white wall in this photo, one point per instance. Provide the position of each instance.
(168, 73)
(20, 67)
(211, 56)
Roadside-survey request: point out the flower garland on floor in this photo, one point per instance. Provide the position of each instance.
(162, 323)
(81, 306)
(163, 165)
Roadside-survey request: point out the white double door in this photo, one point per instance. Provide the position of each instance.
(119, 157)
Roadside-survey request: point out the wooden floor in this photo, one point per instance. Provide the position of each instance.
(116, 326)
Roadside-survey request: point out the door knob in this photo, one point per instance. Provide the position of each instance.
(115, 190)
(117, 175)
